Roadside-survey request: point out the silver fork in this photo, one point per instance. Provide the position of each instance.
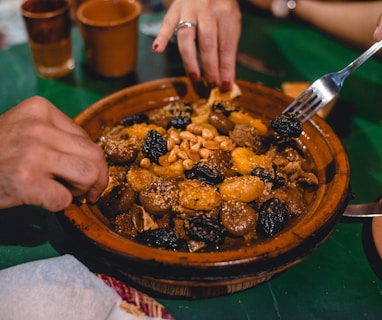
(325, 89)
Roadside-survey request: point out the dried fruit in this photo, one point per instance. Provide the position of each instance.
(161, 238)
(287, 125)
(273, 216)
(154, 146)
(207, 230)
(204, 174)
(179, 122)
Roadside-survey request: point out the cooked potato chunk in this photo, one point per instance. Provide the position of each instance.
(196, 195)
(243, 188)
(245, 160)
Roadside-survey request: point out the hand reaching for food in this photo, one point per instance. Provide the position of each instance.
(46, 158)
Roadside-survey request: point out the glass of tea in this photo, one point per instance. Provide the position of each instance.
(48, 25)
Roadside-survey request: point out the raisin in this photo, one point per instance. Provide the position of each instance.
(273, 217)
(287, 125)
(154, 146)
(204, 174)
(207, 230)
(161, 238)
(134, 118)
(179, 122)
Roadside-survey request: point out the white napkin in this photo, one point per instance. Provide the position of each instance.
(59, 288)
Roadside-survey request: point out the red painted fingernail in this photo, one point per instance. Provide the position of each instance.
(226, 85)
(155, 46)
(193, 76)
(212, 85)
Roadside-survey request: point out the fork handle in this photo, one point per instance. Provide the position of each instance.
(363, 57)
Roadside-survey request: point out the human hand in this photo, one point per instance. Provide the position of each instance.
(218, 28)
(46, 158)
(378, 30)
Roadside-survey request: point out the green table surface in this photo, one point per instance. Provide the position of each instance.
(342, 278)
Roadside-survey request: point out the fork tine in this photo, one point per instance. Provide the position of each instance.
(311, 109)
(299, 101)
(307, 105)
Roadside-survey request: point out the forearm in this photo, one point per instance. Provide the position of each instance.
(352, 22)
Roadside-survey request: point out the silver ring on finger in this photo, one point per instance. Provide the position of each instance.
(185, 24)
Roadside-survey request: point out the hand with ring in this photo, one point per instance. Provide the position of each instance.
(215, 26)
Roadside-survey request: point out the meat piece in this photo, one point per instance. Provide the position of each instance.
(238, 218)
(121, 152)
(118, 200)
(158, 197)
(245, 135)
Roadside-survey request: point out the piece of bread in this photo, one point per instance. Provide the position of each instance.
(217, 95)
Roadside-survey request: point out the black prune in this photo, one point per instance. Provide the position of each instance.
(204, 174)
(267, 175)
(154, 146)
(287, 125)
(205, 229)
(179, 122)
(134, 118)
(273, 217)
(161, 238)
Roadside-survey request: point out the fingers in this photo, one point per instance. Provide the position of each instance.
(47, 157)
(85, 169)
(209, 50)
(166, 31)
(218, 27)
(80, 163)
(39, 107)
(228, 43)
(378, 30)
(180, 11)
(81, 176)
(50, 178)
(50, 195)
(187, 49)
(164, 35)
